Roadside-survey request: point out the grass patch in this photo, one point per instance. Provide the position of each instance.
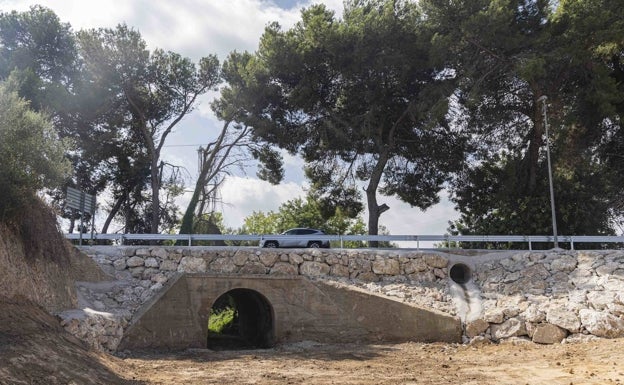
(222, 320)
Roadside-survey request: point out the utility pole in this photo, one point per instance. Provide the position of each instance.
(543, 99)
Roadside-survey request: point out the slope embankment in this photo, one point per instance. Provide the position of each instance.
(38, 271)
(38, 264)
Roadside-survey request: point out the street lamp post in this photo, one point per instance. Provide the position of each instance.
(543, 99)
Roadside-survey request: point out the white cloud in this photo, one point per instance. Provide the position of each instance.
(242, 195)
(402, 219)
(193, 28)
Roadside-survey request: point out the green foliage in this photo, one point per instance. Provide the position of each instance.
(31, 153)
(40, 51)
(358, 98)
(221, 319)
(532, 49)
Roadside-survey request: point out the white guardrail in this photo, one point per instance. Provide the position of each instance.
(452, 239)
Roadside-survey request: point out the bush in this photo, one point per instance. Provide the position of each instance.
(32, 156)
(221, 321)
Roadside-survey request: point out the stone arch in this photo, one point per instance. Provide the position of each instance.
(253, 325)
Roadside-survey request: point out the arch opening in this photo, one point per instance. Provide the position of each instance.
(460, 273)
(240, 319)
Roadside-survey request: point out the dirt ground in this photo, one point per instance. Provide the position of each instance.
(408, 363)
(35, 350)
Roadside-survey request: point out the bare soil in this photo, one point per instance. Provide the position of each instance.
(34, 349)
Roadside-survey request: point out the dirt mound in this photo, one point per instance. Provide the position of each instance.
(39, 264)
(34, 349)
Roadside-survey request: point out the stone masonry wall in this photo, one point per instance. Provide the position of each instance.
(544, 296)
(550, 296)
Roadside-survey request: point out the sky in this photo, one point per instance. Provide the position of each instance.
(196, 28)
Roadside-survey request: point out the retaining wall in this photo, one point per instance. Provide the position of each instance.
(546, 297)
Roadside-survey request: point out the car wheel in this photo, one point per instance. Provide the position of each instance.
(314, 244)
(270, 244)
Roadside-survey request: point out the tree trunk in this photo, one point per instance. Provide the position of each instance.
(112, 213)
(371, 197)
(187, 220)
(373, 214)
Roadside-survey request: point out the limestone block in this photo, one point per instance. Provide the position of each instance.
(549, 334)
(368, 276)
(253, 268)
(149, 272)
(493, 315)
(602, 324)
(435, 260)
(339, 271)
(564, 318)
(222, 265)
(295, 259)
(169, 265)
(332, 260)
(533, 313)
(560, 283)
(607, 269)
(616, 309)
(239, 259)
(159, 252)
(192, 265)
(564, 263)
(599, 300)
(386, 266)
(360, 266)
(415, 265)
(175, 257)
(512, 277)
(137, 272)
(513, 327)
(143, 252)
(159, 278)
(268, 259)
(135, 262)
(423, 276)
(479, 341)
(476, 327)
(151, 262)
(314, 269)
(440, 273)
(511, 265)
(283, 268)
(120, 264)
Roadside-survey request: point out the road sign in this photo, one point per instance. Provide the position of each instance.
(80, 200)
(83, 202)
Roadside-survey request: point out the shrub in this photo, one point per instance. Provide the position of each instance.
(32, 156)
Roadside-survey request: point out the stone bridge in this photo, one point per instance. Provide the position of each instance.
(281, 309)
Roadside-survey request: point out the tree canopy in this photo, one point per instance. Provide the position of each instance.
(360, 99)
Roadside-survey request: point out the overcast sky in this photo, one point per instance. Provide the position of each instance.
(196, 28)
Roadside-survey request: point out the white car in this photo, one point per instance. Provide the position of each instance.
(299, 237)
